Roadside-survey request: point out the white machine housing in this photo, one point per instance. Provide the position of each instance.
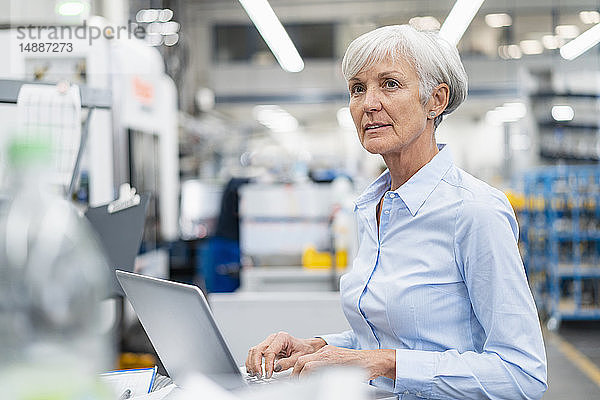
(144, 98)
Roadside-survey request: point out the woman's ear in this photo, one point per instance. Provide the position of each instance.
(439, 99)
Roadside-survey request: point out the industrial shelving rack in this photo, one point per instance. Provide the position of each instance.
(576, 140)
(560, 241)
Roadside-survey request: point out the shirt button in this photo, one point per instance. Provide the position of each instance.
(386, 212)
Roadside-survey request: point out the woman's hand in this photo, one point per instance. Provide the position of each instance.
(375, 362)
(281, 347)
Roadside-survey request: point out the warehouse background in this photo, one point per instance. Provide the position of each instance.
(251, 169)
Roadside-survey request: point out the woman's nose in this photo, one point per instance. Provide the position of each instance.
(372, 101)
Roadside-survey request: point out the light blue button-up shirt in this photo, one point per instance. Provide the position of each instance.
(442, 283)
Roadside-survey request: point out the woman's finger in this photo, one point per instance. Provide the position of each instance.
(255, 354)
(299, 365)
(275, 350)
(286, 363)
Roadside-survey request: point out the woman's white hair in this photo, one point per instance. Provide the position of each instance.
(434, 59)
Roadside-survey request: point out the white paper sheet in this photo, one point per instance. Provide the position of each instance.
(137, 381)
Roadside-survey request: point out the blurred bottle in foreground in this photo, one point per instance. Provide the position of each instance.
(52, 280)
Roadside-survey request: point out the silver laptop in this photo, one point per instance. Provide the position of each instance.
(184, 334)
(181, 327)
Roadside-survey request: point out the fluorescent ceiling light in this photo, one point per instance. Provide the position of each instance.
(514, 51)
(508, 112)
(567, 31)
(165, 15)
(274, 34)
(589, 17)
(170, 27)
(70, 8)
(154, 28)
(171, 39)
(275, 118)
(458, 20)
(163, 28)
(515, 109)
(502, 52)
(531, 46)
(551, 42)
(145, 16)
(581, 44)
(563, 113)
(427, 23)
(154, 39)
(154, 14)
(498, 20)
(507, 52)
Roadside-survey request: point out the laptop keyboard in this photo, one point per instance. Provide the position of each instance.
(253, 380)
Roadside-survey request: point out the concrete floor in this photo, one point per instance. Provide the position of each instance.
(574, 362)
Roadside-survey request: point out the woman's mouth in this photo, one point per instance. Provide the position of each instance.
(374, 126)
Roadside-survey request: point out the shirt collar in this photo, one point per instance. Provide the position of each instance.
(417, 189)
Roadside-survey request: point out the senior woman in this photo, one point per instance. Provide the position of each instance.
(437, 298)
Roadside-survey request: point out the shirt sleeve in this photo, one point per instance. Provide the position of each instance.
(512, 363)
(345, 339)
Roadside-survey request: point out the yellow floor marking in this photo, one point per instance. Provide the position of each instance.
(582, 362)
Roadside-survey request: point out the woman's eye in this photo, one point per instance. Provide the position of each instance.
(391, 84)
(356, 89)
